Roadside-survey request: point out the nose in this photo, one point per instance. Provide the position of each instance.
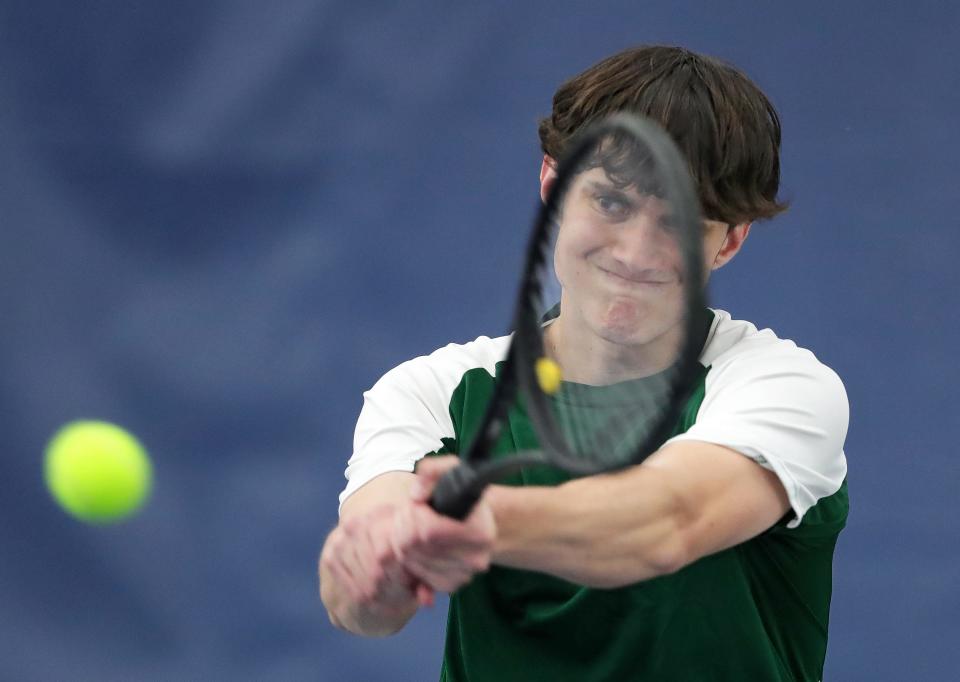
(645, 244)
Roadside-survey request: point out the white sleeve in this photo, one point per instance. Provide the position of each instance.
(785, 410)
(406, 414)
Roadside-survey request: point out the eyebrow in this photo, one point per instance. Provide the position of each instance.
(609, 186)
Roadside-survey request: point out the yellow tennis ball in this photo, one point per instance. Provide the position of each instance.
(548, 375)
(97, 471)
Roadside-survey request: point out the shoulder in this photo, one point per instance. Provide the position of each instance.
(737, 351)
(406, 414)
(777, 404)
(446, 366)
(423, 387)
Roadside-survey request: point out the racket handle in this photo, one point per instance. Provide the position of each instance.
(457, 492)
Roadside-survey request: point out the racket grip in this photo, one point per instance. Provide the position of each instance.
(457, 492)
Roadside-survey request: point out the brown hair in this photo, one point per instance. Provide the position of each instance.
(724, 125)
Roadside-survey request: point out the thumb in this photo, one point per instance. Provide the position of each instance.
(425, 596)
(429, 470)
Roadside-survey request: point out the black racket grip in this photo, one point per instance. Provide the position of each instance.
(457, 492)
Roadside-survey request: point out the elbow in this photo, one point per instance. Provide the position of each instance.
(679, 516)
(651, 559)
(668, 556)
(634, 553)
(629, 569)
(673, 548)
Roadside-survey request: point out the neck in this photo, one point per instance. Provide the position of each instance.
(588, 358)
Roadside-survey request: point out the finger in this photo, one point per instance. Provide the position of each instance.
(429, 470)
(425, 595)
(397, 578)
(438, 571)
(425, 528)
(445, 580)
(398, 586)
(372, 556)
(388, 579)
(433, 468)
(429, 568)
(402, 535)
(401, 584)
(367, 570)
(417, 527)
(331, 572)
(345, 566)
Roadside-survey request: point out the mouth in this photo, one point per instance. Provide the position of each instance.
(642, 278)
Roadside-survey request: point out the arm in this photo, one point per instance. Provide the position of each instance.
(704, 491)
(687, 501)
(362, 584)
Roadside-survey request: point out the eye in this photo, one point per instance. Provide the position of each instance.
(612, 205)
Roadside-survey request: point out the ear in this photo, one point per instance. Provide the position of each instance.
(548, 175)
(732, 243)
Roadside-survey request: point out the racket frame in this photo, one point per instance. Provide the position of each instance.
(459, 489)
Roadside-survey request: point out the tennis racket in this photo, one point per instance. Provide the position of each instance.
(608, 325)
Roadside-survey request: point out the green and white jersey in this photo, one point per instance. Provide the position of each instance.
(757, 611)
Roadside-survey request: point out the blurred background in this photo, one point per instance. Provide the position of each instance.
(222, 221)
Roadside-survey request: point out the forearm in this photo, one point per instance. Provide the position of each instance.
(601, 531)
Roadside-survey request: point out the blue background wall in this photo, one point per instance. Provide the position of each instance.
(222, 221)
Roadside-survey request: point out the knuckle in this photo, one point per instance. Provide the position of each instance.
(329, 558)
(377, 579)
(383, 553)
(480, 563)
(423, 536)
(367, 594)
(333, 541)
(444, 584)
(461, 580)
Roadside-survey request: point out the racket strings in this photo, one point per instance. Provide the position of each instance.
(602, 424)
(583, 429)
(605, 424)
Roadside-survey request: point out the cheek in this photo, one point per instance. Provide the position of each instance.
(562, 260)
(568, 257)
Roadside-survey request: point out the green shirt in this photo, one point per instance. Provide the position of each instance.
(757, 611)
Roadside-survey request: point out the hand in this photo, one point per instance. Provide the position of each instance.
(366, 580)
(440, 552)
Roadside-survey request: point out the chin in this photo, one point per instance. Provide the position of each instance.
(625, 337)
(631, 323)
(622, 333)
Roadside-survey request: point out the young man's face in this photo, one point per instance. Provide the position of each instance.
(620, 269)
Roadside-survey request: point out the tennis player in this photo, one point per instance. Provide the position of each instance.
(712, 560)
